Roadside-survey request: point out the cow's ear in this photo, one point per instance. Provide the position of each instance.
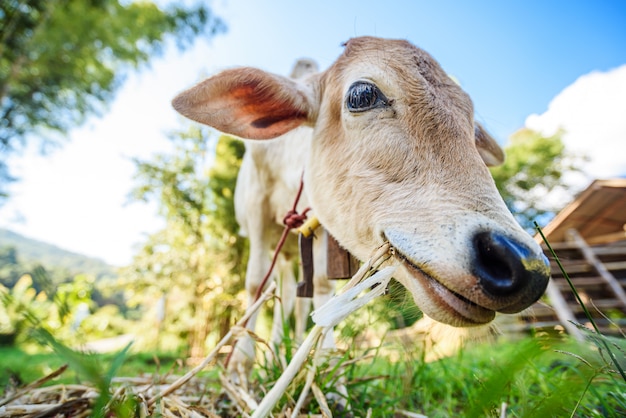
(249, 103)
(488, 148)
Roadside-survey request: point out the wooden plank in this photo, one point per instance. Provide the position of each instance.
(608, 238)
(600, 304)
(588, 253)
(607, 251)
(571, 269)
(591, 281)
(603, 219)
(563, 312)
(615, 265)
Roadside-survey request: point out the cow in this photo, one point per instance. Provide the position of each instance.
(390, 152)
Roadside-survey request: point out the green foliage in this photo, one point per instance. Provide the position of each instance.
(10, 269)
(66, 309)
(222, 181)
(75, 306)
(62, 60)
(21, 306)
(534, 168)
(195, 263)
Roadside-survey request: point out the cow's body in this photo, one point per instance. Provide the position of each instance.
(267, 185)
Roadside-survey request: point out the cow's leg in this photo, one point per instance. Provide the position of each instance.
(259, 262)
(302, 311)
(284, 303)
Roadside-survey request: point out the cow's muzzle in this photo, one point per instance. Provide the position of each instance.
(507, 270)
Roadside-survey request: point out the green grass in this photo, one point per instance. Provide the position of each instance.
(544, 375)
(29, 366)
(532, 377)
(541, 376)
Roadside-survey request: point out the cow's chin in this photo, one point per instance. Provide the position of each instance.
(439, 302)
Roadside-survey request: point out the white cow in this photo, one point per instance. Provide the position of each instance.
(390, 152)
(267, 184)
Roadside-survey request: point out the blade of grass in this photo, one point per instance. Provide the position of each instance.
(89, 367)
(582, 305)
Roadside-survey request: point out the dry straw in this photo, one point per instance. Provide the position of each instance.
(329, 315)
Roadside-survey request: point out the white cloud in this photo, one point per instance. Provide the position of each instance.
(592, 111)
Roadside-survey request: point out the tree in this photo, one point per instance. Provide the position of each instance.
(197, 261)
(10, 268)
(62, 60)
(531, 178)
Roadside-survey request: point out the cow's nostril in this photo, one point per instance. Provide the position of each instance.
(499, 263)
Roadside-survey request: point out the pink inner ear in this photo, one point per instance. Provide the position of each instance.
(268, 129)
(263, 112)
(246, 102)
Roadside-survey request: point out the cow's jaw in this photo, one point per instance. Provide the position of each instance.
(437, 300)
(453, 290)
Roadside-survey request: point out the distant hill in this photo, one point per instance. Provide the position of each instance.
(53, 257)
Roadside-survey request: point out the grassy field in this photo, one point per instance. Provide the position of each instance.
(539, 377)
(543, 376)
(533, 377)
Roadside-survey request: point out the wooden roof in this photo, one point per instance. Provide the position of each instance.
(598, 214)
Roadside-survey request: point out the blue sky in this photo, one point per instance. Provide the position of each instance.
(512, 57)
(542, 63)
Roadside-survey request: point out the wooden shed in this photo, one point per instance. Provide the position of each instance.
(589, 238)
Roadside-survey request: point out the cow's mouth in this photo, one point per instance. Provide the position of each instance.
(452, 307)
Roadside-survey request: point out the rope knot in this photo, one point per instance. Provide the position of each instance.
(293, 219)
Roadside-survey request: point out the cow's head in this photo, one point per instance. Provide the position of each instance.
(396, 155)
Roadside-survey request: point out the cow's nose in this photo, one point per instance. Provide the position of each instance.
(505, 267)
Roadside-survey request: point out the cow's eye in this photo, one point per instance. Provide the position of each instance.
(364, 96)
